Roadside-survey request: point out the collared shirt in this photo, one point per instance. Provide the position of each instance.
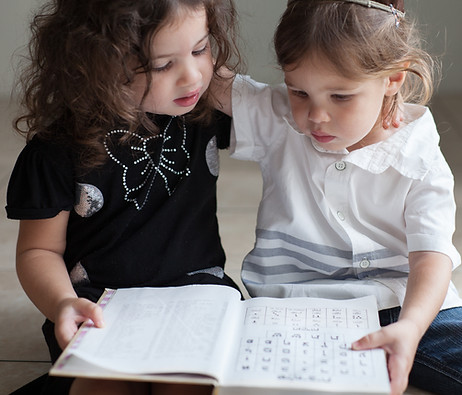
(341, 224)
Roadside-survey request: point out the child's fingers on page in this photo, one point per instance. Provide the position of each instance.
(372, 340)
(72, 313)
(89, 310)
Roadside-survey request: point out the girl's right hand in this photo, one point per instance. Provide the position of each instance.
(400, 341)
(71, 313)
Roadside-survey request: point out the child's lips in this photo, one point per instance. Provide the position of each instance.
(189, 99)
(322, 137)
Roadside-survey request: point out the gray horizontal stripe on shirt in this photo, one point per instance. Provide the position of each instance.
(340, 274)
(291, 268)
(318, 248)
(284, 252)
(322, 249)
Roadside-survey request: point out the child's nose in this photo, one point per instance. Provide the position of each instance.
(317, 114)
(190, 75)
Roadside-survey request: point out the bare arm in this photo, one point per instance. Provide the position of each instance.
(429, 276)
(43, 275)
(40, 265)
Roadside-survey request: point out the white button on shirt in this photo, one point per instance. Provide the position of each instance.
(331, 218)
(364, 264)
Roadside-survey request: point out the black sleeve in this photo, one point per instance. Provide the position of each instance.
(42, 182)
(223, 126)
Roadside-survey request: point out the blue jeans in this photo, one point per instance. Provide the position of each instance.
(438, 362)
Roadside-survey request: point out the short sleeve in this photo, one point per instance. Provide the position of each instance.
(42, 182)
(430, 213)
(259, 118)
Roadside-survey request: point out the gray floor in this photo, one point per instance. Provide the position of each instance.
(23, 354)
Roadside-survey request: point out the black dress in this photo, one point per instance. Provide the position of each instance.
(146, 217)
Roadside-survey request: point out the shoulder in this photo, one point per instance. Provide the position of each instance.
(271, 99)
(38, 149)
(414, 149)
(419, 125)
(42, 181)
(420, 150)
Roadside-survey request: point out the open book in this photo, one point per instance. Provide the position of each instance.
(207, 334)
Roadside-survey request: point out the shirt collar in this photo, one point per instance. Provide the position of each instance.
(409, 151)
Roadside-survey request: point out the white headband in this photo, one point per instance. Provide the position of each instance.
(380, 6)
(374, 4)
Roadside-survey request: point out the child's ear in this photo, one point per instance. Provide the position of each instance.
(395, 81)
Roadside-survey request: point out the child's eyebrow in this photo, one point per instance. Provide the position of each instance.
(204, 38)
(167, 55)
(333, 88)
(287, 82)
(289, 85)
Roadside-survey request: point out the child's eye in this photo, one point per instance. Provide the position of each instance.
(201, 51)
(164, 67)
(342, 97)
(298, 93)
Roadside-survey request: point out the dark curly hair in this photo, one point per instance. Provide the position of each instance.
(75, 81)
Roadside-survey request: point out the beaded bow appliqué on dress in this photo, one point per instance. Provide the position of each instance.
(140, 169)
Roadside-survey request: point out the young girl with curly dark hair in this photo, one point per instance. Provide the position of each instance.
(116, 186)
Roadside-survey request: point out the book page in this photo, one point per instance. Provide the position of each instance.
(158, 330)
(306, 343)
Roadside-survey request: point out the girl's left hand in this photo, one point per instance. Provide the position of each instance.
(400, 341)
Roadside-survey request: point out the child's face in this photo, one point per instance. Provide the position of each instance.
(182, 66)
(333, 110)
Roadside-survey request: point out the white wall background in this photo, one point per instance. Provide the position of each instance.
(440, 21)
(258, 18)
(14, 21)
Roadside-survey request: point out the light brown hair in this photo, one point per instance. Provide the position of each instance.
(360, 42)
